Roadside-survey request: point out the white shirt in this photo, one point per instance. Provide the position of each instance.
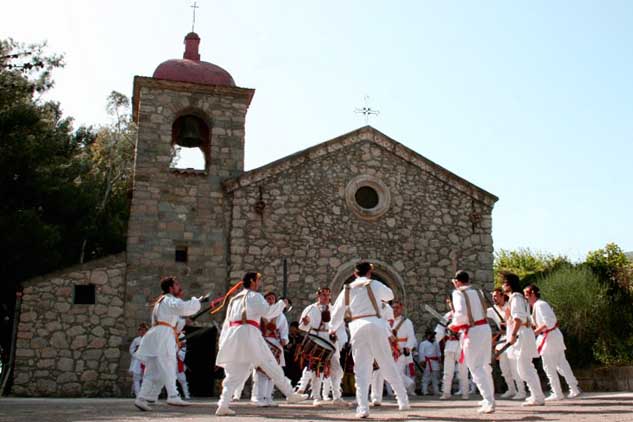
(542, 313)
(160, 340)
(406, 333)
(244, 343)
(360, 304)
(427, 351)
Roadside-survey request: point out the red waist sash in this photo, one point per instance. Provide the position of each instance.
(248, 321)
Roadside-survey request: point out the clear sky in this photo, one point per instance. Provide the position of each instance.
(532, 101)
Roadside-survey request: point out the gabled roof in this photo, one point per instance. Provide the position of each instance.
(363, 134)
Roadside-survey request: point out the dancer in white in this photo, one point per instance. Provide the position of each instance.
(181, 377)
(508, 367)
(550, 345)
(275, 332)
(360, 301)
(429, 358)
(315, 319)
(521, 337)
(136, 366)
(470, 318)
(452, 353)
(158, 347)
(242, 345)
(404, 333)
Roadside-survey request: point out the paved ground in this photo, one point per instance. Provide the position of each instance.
(600, 407)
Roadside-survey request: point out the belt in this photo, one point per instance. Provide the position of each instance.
(428, 360)
(465, 328)
(165, 324)
(402, 339)
(248, 321)
(545, 333)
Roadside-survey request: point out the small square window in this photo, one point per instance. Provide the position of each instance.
(84, 294)
(181, 254)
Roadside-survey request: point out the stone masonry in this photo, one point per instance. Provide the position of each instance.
(436, 223)
(66, 349)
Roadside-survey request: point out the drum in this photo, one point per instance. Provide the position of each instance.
(276, 353)
(316, 353)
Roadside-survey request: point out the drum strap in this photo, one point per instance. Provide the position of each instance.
(348, 312)
(372, 299)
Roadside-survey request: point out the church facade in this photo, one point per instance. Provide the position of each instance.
(302, 221)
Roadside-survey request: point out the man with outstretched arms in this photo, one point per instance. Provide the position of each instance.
(452, 353)
(360, 300)
(404, 333)
(469, 318)
(275, 332)
(550, 345)
(521, 336)
(508, 367)
(242, 346)
(159, 345)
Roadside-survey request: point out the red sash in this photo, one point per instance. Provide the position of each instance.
(465, 328)
(545, 333)
(248, 321)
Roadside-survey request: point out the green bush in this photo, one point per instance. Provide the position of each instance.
(582, 308)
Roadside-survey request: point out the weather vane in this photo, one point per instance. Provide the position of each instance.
(367, 111)
(194, 7)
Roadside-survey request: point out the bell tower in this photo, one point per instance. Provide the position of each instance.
(178, 218)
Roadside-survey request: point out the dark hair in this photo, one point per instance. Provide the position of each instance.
(462, 276)
(249, 277)
(167, 282)
(534, 289)
(511, 280)
(294, 324)
(322, 289)
(429, 332)
(363, 267)
(397, 301)
(269, 293)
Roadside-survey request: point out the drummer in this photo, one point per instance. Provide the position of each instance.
(275, 332)
(315, 319)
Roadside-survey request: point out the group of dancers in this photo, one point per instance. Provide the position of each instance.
(382, 343)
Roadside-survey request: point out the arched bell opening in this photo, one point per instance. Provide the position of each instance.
(191, 146)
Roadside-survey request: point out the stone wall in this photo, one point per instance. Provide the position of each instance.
(180, 208)
(66, 349)
(427, 232)
(605, 379)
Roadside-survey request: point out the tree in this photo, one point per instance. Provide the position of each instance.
(527, 264)
(612, 265)
(64, 191)
(111, 161)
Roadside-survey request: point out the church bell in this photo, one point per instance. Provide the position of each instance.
(190, 133)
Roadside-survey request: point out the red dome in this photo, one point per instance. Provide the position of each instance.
(191, 69)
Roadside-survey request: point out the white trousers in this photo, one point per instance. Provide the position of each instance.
(262, 387)
(505, 365)
(527, 373)
(430, 377)
(336, 376)
(450, 361)
(159, 372)
(182, 380)
(554, 364)
(518, 382)
(237, 372)
(137, 379)
(477, 355)
(369, 343)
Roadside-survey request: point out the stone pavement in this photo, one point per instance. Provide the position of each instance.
(600, 407)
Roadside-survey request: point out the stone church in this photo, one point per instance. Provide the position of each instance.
(305, 219)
